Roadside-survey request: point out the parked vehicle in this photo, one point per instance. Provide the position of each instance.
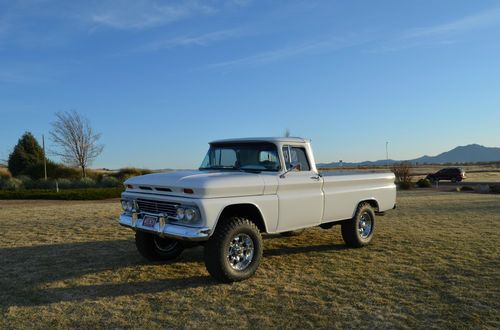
(454, 174)
(246, 187)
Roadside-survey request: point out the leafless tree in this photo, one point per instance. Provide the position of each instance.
(76, 140)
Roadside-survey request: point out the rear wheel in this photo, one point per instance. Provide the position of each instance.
(155, 248)
(358, 231)
(234, 251)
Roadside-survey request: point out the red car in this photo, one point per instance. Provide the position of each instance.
(454, 174)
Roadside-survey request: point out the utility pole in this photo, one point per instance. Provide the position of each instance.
(44, 158)
(387, 153)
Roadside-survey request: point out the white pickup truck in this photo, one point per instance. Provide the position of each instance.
(246, 187)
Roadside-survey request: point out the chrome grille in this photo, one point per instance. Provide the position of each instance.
(157, 207)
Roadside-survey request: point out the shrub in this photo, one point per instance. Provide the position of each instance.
(404, 185)
(43, 184)
(54, 171)
(402, 171)
(11, 184)
(424, 183)
(71, 194)
(5, 173)
(26, 180)
(64, 183)
(84, 183)
(110, 181)
(128, 172)
(466, 188)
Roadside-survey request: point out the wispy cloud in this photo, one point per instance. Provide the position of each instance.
(441, 34)
(141, 14)
(191, 40)
(308, 48)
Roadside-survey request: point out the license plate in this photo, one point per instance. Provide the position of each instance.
(149, 221)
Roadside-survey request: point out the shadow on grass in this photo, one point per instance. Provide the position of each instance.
(24, 271)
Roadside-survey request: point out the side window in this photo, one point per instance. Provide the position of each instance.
(286, 156)
(298, 155)
(294, 155)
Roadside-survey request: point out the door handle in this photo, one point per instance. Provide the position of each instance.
(315, 178)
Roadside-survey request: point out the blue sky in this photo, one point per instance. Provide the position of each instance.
(159, 79)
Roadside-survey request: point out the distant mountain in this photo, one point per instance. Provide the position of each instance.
(471, 153)
(467, 154)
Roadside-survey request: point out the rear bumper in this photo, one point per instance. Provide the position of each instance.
(167, 230)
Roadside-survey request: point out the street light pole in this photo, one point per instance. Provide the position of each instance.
(44, 158)
(387, 153)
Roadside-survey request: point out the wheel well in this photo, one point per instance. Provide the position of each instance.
(373, 203)
(249, 211)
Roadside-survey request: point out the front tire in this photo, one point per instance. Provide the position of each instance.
(358, 231)
(234, 251)
(155, 248)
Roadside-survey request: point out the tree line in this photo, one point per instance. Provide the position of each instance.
(75, 143)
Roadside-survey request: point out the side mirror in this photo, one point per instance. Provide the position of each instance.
(295, 166)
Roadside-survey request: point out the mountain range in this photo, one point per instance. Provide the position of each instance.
(471, 153)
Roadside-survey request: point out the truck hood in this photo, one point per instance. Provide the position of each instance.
(205, 184)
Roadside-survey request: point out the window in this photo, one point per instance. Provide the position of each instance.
(296, 155)
(244, 156)
(225, 157)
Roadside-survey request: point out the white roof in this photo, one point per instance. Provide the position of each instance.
(263, 139)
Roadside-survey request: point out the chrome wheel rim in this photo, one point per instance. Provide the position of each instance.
(240, 252)
(164, 244)
(365, 225)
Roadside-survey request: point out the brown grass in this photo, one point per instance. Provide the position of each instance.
(4, 173)
(433, 263)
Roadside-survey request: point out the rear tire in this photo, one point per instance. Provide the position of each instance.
(155, 248)
(234, 251)
(358, 231)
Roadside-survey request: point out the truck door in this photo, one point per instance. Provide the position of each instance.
(300, 192)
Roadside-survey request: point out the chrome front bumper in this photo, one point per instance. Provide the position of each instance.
(167, 229)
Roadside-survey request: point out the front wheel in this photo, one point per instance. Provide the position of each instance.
(155, 248)
(358, 231)
(234, 251)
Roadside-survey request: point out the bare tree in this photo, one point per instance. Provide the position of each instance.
(76, 140)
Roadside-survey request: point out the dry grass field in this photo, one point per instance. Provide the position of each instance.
(434, 262)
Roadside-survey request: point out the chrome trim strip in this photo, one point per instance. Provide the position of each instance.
(168, 230)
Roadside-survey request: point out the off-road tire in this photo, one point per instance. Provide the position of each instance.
(155, 248)
(350, 228)
(292, 233)
(217, 249)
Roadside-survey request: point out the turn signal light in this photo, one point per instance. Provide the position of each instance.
(188, 191)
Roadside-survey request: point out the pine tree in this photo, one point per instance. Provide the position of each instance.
(26, 153)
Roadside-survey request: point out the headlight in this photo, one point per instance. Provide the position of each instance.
(180, 213)
(190, 214)
(187, 214)
(128, 205)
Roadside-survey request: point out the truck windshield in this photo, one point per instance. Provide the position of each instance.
(243, 157)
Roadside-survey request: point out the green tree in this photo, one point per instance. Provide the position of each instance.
(26, 154)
